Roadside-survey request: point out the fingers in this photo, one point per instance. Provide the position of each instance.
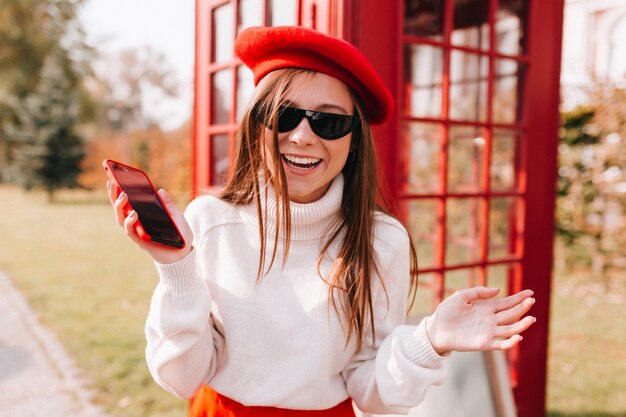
(478, 293)
(508, 313)
(510, 330)
(123, 217)
(128, 224)
(126, 218)
(165, 197)
(119, 206)
(513, 314)
(511, 300)
(112, 191)
(170, 205)
(176, 214)
(506, 343)
(509, 336)
(168, 202)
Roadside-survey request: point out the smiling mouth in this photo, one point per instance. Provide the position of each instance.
(301, 163)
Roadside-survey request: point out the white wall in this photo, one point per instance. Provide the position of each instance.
(594, 46)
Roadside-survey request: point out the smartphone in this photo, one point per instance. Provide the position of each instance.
(155, 224)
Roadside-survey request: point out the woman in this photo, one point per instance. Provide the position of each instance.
(292, 297)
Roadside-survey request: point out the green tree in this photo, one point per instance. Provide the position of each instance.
(50, 150)
(591, 187)
(29, 31)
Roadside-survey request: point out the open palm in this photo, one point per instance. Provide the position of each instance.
(472, 319)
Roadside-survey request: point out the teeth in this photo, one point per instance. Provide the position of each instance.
(301, 161)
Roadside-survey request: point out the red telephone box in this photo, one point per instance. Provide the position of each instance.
(469, 157)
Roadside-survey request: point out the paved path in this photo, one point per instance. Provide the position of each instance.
(37, 377)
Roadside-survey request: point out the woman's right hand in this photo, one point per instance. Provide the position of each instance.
(160, 253)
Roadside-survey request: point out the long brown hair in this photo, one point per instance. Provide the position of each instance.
(355, 262)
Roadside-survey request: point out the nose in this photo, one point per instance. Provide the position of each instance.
(303, 134)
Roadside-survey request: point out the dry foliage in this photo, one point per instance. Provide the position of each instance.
(165, 156)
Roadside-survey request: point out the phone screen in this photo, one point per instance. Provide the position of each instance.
(143, 199)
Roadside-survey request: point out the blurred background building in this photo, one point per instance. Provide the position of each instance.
(591, 155)
(594, 47)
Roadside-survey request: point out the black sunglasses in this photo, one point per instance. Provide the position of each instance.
(329, 126)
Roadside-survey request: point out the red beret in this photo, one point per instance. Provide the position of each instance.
(265, 49)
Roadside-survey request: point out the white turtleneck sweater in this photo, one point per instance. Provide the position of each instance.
(279, 342)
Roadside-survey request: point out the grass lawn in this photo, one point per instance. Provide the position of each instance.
(92, 286)
(587, 351)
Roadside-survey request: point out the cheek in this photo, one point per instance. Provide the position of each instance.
(339, 150)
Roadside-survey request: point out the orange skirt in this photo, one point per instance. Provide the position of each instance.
(209, 403)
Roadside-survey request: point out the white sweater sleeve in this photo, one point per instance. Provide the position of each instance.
(392, 374)
(182, 341)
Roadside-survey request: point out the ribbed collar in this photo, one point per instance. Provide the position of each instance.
(309, 221)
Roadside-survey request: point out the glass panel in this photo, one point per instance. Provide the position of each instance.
(223, 33)
(507, 83)
(503, 159)
(424, 298)
(422, 224)
(463, 223)
(468, 86)
(245, 87)
(424, 18)
(284, 12)
(502, 217)
(511, 20)
(219, 159)
(221, 96)
(423, 66)
(420, 157)
(250, 13)
(466, 159)
(498, 277)
(471, 23)
(460, 279)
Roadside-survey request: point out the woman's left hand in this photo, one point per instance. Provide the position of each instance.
(472, 319)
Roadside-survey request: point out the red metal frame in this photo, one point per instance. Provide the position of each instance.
(530, 241)
(484, 195)
(200, 155)
(542, 121)
(377, 29)
(376, 34)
